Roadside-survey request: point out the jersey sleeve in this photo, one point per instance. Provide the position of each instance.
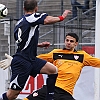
(48, 56)
(42, 17)
(36, 18)
(91, 61)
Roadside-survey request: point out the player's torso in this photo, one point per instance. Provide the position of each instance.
(69, 66)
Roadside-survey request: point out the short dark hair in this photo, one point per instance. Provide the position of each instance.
(74, 35)
(30, 5)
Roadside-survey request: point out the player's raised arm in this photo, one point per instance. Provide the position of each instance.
(51, 19)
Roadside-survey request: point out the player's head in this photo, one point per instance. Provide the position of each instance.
(30, 5)
(74, 35)
(71, 41)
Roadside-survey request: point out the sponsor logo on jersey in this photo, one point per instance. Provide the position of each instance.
(76, 57)
(60, 56)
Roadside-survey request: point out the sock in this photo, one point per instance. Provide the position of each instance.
(5, 96)
(51, 80)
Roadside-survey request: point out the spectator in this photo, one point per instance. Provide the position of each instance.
(75, 4)
(84, 7)
(87, 6)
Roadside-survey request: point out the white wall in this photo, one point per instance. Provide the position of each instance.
(84, 89)
(97, 50)
(3, 78)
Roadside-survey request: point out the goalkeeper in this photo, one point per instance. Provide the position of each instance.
(25, 62)
(69, 62)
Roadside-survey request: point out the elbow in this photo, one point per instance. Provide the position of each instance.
(46, 21)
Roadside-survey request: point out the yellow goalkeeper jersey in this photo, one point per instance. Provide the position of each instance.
(70, 64)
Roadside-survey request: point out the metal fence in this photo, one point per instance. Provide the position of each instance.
(83, 25)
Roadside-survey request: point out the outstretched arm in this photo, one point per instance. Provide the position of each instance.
(51, 19)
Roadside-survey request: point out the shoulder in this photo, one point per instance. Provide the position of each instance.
(57, 50)
(35, 16)
(81, 52)
(40, 14)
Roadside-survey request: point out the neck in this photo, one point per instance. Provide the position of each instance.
(69, 49)
(30, 12)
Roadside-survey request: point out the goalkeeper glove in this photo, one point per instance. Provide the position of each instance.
(6, 62)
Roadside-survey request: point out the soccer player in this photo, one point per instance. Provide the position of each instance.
(25, 62)
(70, 63)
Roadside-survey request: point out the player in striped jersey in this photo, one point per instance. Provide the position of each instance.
(25, 62)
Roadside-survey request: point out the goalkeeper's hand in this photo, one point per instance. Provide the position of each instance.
(6, 62)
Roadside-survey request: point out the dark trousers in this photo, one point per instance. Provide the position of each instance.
(60, 94)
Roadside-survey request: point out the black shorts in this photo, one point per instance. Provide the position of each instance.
(22, 69)
(60, 94)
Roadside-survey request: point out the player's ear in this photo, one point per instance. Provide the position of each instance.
(36, 9)
(76, 43)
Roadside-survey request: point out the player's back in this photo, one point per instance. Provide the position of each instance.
(26, 37)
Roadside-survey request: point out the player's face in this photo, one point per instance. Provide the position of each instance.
(70, 43)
